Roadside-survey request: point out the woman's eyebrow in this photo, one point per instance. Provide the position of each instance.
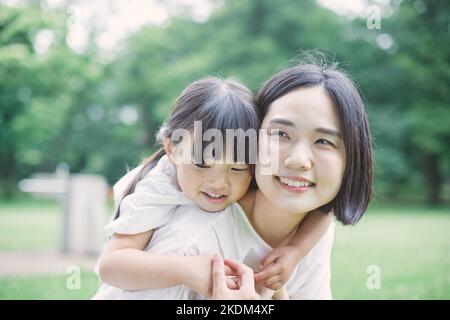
(332, 132)
(282, 122)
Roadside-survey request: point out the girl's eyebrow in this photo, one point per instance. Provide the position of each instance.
(331, 132)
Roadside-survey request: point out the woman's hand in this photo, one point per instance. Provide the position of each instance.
(198, 270)
(244, 280)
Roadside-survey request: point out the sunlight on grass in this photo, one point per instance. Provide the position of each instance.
(410, 245)
(45, 287)
(411, 250)
(30, 225)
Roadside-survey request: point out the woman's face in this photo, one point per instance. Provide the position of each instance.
(310, 155)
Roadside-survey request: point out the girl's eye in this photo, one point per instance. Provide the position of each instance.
(278, 132)
(202, 166)
(326, 142)
(239, 169)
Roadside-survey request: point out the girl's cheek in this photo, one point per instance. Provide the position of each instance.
(241, 183)
(247, 182)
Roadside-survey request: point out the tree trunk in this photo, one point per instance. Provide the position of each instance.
(149, 125)
(8, 173)
(434, 180)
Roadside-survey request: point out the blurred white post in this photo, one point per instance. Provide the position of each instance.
(83, 199)
(87, 200)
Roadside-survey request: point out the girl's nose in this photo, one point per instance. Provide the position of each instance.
(218, 179)
(299, 158)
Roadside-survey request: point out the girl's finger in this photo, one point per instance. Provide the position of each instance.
(232, 283)
(236, 267)
(268, 272)
(273, 282)
(271, 257)
(244, 272)
(229, 271)
(232, 265)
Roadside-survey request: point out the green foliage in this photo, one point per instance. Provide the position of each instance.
(60, 106)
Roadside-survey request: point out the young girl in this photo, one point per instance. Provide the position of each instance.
(164, 183)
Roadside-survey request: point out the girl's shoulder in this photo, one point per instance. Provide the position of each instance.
(161, 178)
(121, 186)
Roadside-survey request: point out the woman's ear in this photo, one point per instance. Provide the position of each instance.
(168, 148)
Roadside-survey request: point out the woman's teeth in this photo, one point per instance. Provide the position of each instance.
(296, 184)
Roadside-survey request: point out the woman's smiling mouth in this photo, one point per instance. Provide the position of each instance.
(295, 184)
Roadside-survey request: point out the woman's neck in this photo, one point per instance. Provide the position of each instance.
(273, 225)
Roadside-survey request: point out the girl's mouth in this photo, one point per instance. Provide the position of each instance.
(295, 185)
(213, 197)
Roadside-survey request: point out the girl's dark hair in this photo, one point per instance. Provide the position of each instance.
(356, 189)
(218, 103)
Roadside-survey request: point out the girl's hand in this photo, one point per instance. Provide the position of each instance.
(245, 284)
(277, 267)
(198, 274)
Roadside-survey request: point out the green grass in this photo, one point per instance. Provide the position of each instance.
(52, 287)
(30, 225)
(410, 245)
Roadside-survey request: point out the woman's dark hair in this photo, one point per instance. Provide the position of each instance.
(356, 188)
(218, 103)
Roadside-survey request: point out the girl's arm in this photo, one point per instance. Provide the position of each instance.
(310, 231)
(125, 265)
(278, 265)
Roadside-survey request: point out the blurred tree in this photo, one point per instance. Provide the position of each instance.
(422, 30)
(23, 83)
(98, 117)
(404, 70)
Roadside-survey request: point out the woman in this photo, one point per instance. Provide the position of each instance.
(316, 128)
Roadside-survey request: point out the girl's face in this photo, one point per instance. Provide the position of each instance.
(213, 187)
(310, 152)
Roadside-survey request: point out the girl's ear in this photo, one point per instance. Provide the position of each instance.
(168, 148)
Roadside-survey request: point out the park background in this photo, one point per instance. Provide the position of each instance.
(87, 83)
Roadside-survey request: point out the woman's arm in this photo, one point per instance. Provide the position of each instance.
(125, 265)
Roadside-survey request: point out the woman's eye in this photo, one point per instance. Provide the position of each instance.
(279, 133)
(326, 142)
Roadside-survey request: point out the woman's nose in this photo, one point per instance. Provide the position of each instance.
(300, 157)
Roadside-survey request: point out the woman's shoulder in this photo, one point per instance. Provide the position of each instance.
(324, 246)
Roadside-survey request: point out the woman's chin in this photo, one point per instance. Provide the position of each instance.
(297, 207)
